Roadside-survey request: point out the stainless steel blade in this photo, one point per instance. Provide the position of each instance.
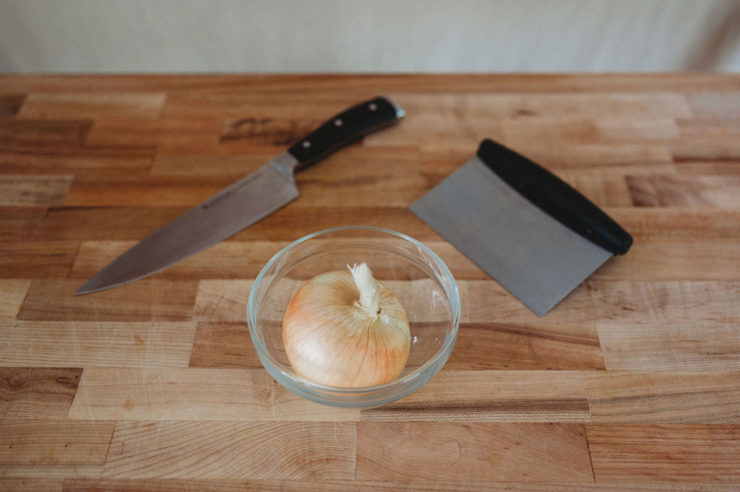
(226, 213)
(535, 257)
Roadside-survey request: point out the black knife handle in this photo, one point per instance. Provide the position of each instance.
(343, 129)
(555, 197)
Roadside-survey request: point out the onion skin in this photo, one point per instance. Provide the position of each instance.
(330, 339)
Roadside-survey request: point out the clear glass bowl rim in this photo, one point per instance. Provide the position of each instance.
(453, 295)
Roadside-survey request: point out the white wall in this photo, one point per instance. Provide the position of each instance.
(367, 35)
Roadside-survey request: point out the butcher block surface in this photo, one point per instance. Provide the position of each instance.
(633, 382)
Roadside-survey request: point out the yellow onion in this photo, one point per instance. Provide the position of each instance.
(345, 329)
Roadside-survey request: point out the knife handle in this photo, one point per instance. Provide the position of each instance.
(343, 129)
(555, 197)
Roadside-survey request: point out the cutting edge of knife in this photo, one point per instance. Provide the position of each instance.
(279, 164)
(83, 290)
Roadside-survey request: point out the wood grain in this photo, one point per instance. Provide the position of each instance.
(49, 135)
(666, 302)
(231, 160)
(223, 344)
(290, 407)
(10, 104)
(472, 452)
(147, 300)
(222, 300)
(184, 394)
(707, 168)
(287, 224)
(83, 160)
(507, 105)
(290, 223)
(37, 259)
(682, 191)
(486, 301)
(707, 140)
(659, 259)
(294, 451)
(240, 104)
(664, 452)
(31, 484)
(104, 223)
(359, 181)
(12, 293)
(18, 223)
(705, 149)
(145, 132)
(41, 471)
(703, 126)
(639, 158)
(617, 300)
(671, 346)
(479, 346)
(493, 396)
(682, 224)
(54, 442)
(193, 394)
(164, 485)
(21, 190)
(96, 343)
(37, 392)
(530, 346)
(394, 218)
(230, 259)
(601, 128)
(239, 259)
(155, 191)
(79, 105)
(664, 397)
(180, 163)
(316, 85)
(631, 381)
(603, 190)
(705, 104)
(266, 132)
(592, 156)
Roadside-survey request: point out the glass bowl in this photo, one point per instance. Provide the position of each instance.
(419, 278)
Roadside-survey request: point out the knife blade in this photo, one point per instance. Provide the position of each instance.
(244, 202)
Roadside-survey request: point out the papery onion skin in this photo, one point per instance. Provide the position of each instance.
(331, 340)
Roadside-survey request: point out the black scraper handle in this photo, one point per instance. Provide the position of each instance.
(555, 197)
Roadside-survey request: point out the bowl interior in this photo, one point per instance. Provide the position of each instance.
(419, 279)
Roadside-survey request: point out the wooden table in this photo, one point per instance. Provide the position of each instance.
(633, 381)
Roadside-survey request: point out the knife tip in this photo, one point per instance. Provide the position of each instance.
(82, 290)
(101, 282)
(89, 287)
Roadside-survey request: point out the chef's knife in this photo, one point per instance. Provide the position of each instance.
(524, 226)
(244, 202)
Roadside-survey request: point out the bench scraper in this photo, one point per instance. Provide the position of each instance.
(533, 233)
